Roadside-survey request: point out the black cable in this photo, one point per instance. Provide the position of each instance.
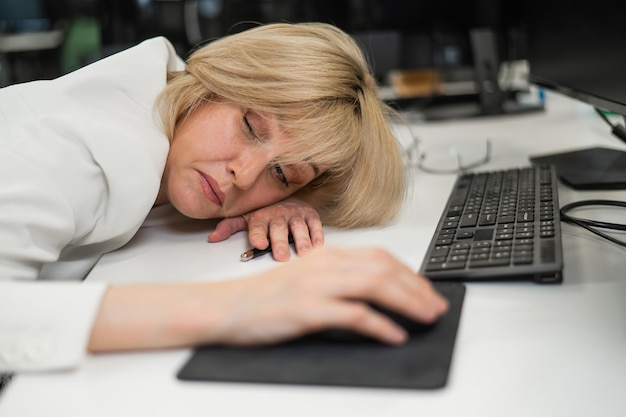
(593, 225)
(616, 129)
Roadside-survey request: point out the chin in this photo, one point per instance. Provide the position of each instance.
(195, 209)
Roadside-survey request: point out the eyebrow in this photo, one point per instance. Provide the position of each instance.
(299, 172)
(316, 169)
(259, 124)
(264, 121)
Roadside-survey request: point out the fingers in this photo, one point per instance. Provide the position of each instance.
(372, 324)
(331, 288)
(307, 232)
(315, 231)
(273, 224)
(360, 318)
(279, 236)
(258, 232)
(227, 227)
(393, 285)
(374, 275)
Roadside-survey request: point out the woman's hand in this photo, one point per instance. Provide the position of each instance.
(276, 221)
(327, 288)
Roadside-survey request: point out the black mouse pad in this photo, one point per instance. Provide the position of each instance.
(589, 169)
(422, 363)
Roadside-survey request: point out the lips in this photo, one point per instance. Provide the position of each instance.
(211, 189)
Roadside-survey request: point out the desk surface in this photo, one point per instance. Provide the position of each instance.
(522, 349)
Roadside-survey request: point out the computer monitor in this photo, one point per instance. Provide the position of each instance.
(577, 49)
(452, 56)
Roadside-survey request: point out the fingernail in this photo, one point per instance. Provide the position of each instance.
(442, 304)
(400, 337)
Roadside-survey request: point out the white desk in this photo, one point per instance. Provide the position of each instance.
(522, 349)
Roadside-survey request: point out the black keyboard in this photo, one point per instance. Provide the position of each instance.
(499, 226)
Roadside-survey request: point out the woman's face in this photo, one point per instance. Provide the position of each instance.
(223, 162)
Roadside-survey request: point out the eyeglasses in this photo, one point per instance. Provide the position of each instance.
(455, 159)
(454, 162)
(449, 160)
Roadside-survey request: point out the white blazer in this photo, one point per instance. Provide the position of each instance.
(81, 159)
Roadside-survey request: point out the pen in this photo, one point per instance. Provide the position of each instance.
(255, 253)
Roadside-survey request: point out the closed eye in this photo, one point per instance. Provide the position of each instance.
(279, 174)
(249, 129)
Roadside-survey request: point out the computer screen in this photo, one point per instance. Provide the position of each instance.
(577, 49)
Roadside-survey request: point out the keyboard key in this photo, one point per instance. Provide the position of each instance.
(488, 219)
(547, 250)
(468, 234)
(458, 246)
(483, 234)
(468, 220)
(487, 263)
(445, 266)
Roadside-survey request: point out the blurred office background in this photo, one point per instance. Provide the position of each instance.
(427, 42)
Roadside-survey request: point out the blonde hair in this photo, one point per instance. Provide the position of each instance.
(316, 81)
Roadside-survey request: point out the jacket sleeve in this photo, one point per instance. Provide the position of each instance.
(45, 326)
(67, 147)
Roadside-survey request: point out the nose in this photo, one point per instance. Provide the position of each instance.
(246, 168)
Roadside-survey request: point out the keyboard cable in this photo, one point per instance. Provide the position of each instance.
(594, 225)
